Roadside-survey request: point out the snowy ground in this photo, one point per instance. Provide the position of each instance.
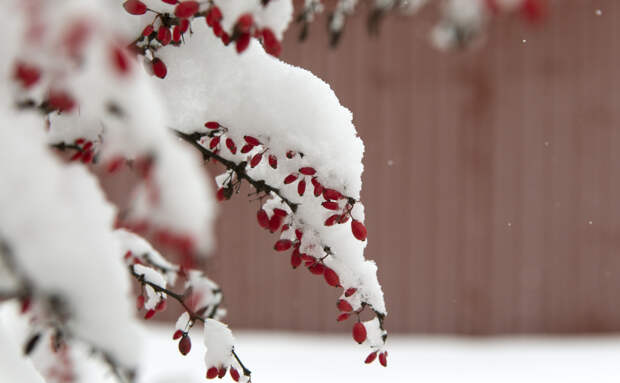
(300, 358)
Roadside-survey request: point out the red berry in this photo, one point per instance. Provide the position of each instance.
(358, 229)
(135, 7)
(298, 234)
(225, 38)
(183, 25)
(176, 34)
(383, 358)
(332, 220)
(371, 357)
(115, 164)
(290, 178)
(308, 171)
(149, 314)
(344, 306)
(318, 189)
(290, 154)
(317, 269)
(295, 259)
(234, 374)
(119, 60)
(359, 332)
(177, 334)
(217, 14)
(147, 30)
(163, 35)
(263, 219)
(329, 205)
(282, 245)
(186, 9)
(61, 100)
(301, 187)
(343, 218)
(244, 23)
(246, 148)
(256, 160)
(161, 305)
(271, 43)
(331, 194)
(222, 194)
(342, 317)
(170, 1)
(212, 373)
(251, 140)
(230, 144)
(273, 161)
(350, 291)
(25, 306)
(280, 212)
(331, 277)
(28, 75)
(212, 125)
(185, 344)
(275, 222)
(214, 142)
(533, 10)
(242, 43)
(222, 372)
(159, 68)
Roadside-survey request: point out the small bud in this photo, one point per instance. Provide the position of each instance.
(185, 344)
(359, 332)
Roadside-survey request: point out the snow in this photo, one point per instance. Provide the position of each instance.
(219, 343)
(278, 357)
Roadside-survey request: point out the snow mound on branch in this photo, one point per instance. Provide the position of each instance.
(58, 226)
(219, 342)
(286, 107)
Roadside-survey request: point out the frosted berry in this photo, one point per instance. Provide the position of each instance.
(212, 373)
(282, 245)
(344, 306)
(371, 357)
(177, 334)
(331, 277)
(159, 68)
(359, 332)
(358, 229)
(186, 9)
(185, 344)
(234, 374)
(383, 358)
(135, 7)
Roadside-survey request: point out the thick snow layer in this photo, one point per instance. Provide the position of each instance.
(219, 342)
(58, 226)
